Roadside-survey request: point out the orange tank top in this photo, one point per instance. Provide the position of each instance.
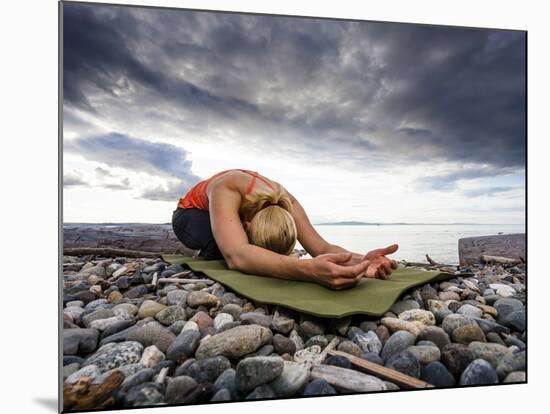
(196, 197)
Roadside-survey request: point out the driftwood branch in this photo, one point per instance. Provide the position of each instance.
(385, 373)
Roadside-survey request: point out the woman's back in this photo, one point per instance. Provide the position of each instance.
(197, 196)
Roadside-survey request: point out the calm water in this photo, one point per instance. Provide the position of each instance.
(439, 241)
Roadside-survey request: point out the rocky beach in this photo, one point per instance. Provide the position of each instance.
(133, 338)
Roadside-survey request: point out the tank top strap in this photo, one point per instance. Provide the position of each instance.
(255, 175)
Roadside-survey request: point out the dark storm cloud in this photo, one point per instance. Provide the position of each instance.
(326, 89)
(119, 150)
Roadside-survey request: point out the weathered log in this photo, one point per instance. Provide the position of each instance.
(97, 251)
(471, 249)
(500, 260)
(155, 238)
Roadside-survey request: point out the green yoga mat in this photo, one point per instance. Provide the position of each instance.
(370, 297)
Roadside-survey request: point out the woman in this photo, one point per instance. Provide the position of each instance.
(253, 223)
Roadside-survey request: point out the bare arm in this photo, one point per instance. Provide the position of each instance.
(315, 245)
(239, 254)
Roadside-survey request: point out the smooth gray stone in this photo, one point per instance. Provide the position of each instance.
(178, 388)
(209, 369)
(185, 345)
(254, 371)
(396, 343)
(79, 340)
(479, 372)
(222, 395)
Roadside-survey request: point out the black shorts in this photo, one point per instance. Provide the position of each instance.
(192, 227)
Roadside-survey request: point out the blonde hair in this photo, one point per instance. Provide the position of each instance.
(271, 224)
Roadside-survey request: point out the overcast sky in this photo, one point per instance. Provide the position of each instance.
(365, 121)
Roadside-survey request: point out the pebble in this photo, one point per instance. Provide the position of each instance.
(254, 318)
(350, 348)
(470, 311)
(319, 387)
(87, 319)
(404, 305)
(398, 342)
(515, 320)
(179, 388)
(418, 315)
(233, 310)
(152, 333)
(518, 376)
(511, 363)
(202, 319)
(283, 345)
(436, 305)
(338, 361)
(487, 326)
(262, 392)
(222, 395)
(291, 380)
(104, 324)
(436, 335)
(235, 343)
(79, 340)
(492, 353)
(368, 342)
(125, 309)
(199, 298)
(444, 296)
(319, 340)
(437, 374)
(468, 333)
(115, 297)
(91, 371)
(149, 308)
(145, 394)
(151, 356)
(406, 363)
(177, 297)
(222, 319)
(226, 380)
(114, 355)
(395, 325)
(373, 357)
(453, 321)
(503, 290)
(425, 354)
(209, 369)
(479, 372)
(456, 358)
(255, 371)
(298, 342)
(310, 327)
(170, 314)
